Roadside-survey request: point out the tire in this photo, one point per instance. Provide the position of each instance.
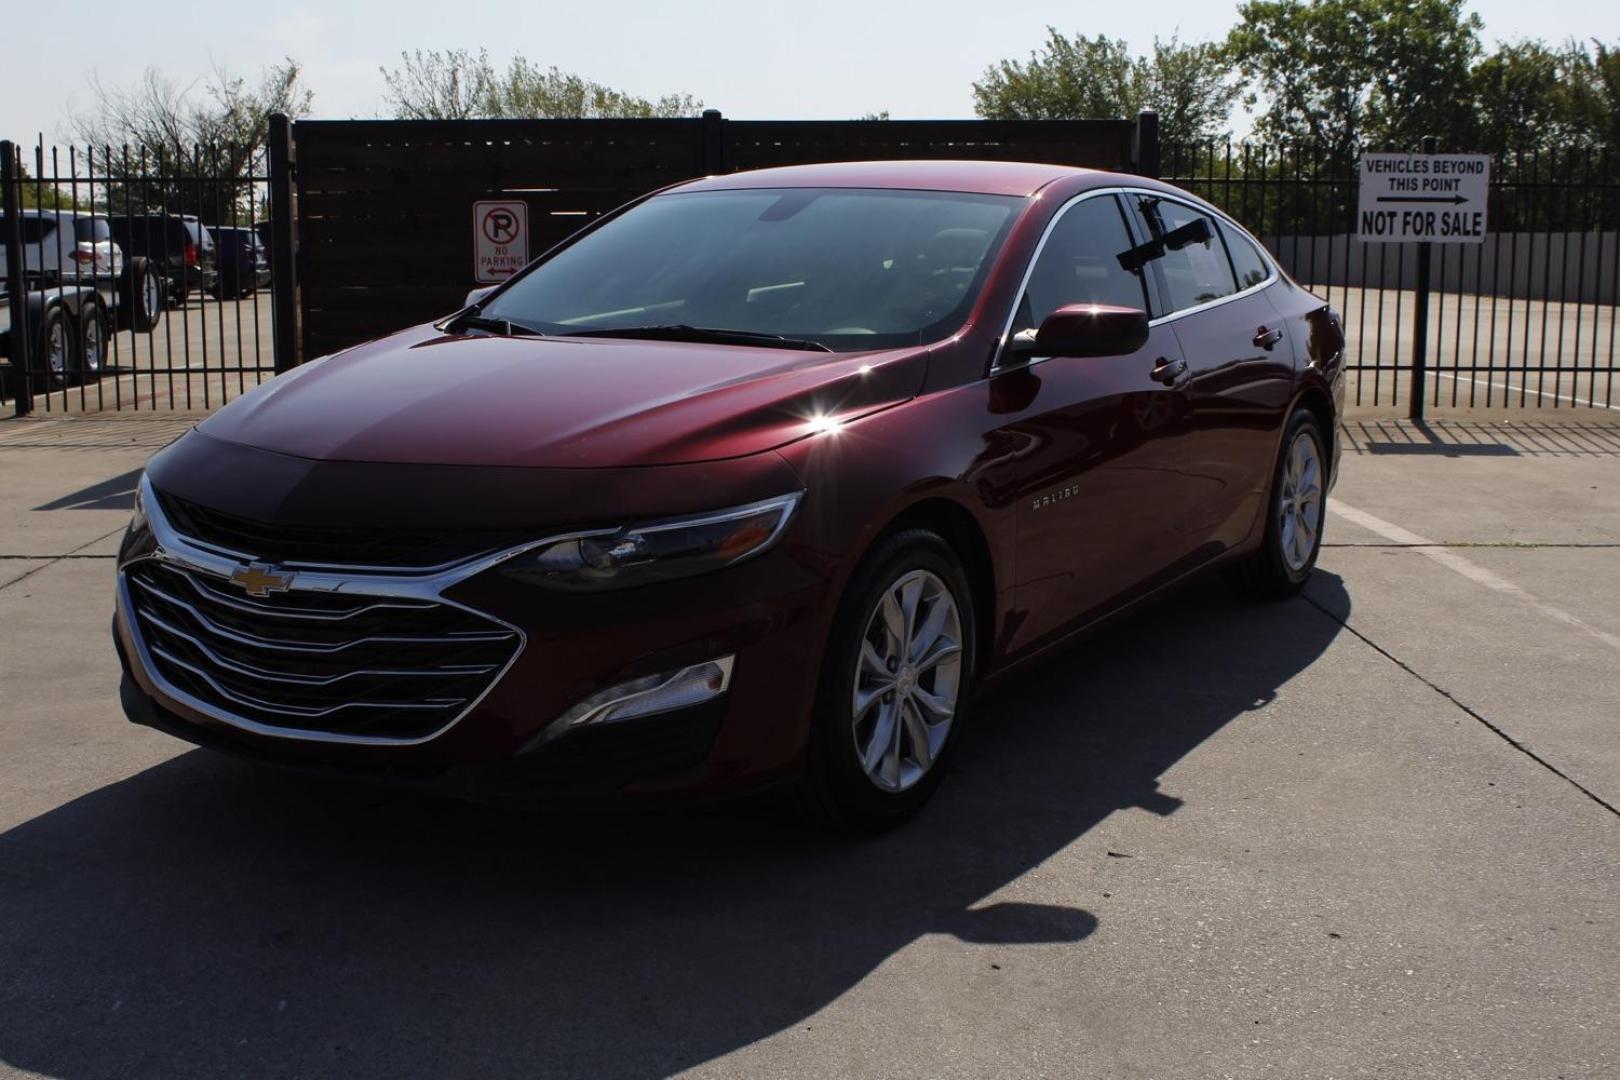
(1295, 508)
(56, 356)
(140, 294)
(838, 789)
(94, 331)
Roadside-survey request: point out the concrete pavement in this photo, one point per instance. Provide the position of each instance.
(1370, 832)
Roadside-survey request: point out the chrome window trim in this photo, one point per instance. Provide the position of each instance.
(996, 366)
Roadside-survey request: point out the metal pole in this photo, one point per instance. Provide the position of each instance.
(1145, 144)
(1420, 329)
(712, 145)
(16, 280)
(283, 246)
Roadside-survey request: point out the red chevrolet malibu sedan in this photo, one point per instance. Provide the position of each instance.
(752, 481)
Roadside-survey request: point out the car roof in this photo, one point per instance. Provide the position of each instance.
(1020, 178)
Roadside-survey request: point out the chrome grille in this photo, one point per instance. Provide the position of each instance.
(342, 664)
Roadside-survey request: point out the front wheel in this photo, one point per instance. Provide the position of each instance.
(894, 685)
(1294, 516)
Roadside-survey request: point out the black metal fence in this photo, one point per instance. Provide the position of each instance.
(1525, 320)
(134, 277)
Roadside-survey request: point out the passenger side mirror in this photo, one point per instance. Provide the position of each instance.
(1084, 330)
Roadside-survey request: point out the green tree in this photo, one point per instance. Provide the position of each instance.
(44, 196)
(1086, 77)
(1341, 73)
(1066, 79)
(1592, 93)
(457, 84)
(1191, 88)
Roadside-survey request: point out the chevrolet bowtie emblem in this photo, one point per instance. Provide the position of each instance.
(261, 579)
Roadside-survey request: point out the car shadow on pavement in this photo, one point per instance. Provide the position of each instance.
(206, 917)
(115, 493)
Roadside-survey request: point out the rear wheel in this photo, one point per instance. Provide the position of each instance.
(94, 330)
(894, 686)
(55, 363)
(1294, 516)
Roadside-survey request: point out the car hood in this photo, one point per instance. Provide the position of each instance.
(425, 397)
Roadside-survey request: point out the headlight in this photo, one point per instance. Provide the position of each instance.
(657, 551)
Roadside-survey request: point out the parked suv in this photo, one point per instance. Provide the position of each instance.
(79, 286)
(178, 246)
(243, 265)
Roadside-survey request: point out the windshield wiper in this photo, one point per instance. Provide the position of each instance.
(471, 320)
(683, 332)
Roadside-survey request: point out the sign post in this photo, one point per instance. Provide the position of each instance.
(1427, 199)
(500, 239)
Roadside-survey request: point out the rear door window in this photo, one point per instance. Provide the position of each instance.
(1193, 271)
(34, 229)
(1249, 264)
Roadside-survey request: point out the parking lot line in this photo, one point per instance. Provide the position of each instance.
(1467, 568)
(1526, 390)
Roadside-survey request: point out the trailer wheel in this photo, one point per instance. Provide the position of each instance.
(54, 368)
(140, 293)
(94, 330)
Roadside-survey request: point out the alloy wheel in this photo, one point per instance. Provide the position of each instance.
(1299, 500)
(151, 298)
(907, 680)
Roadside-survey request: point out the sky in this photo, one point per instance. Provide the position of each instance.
(831, 59)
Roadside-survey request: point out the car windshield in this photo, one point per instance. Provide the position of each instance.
(849, 269)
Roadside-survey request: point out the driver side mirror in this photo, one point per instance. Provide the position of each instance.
(477, 295)
(1083, 330)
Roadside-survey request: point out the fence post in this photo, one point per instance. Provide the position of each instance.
(1145, 145)
(283, 245)
(714, 143)
(16, 280)
(1420, 328)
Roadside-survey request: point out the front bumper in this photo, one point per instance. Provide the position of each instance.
(770, 613)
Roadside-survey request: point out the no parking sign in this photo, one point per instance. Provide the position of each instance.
(500, 239)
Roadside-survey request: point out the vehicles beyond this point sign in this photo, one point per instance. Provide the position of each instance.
(1434, 198)
(500, 239)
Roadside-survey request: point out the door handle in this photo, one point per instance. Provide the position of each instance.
(1266, 338)
(1168, 371)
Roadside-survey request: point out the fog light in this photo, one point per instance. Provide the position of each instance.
(651, 694)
